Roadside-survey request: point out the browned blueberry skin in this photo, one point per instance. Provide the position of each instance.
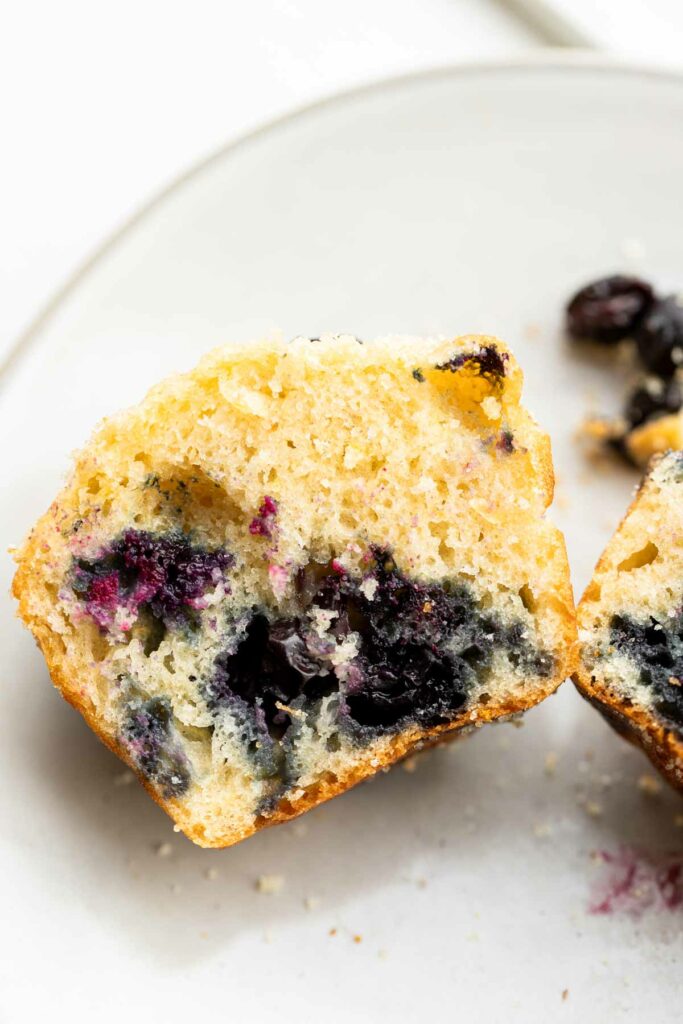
(608, 310)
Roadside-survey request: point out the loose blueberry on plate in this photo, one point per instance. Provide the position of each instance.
(608, 310)
(659, 337)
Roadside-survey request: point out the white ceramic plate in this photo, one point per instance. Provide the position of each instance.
(465, 200)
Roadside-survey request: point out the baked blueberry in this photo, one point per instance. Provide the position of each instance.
(488, 361)
(659, 338)
(609, 309)
(653, 397)
(166, 574)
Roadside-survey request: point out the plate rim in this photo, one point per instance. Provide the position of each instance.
(545, 58)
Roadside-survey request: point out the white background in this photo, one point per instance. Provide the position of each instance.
(104, 103)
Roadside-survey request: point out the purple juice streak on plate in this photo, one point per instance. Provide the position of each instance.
(634, 882)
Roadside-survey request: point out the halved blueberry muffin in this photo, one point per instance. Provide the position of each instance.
(631, 622)
(289, 568)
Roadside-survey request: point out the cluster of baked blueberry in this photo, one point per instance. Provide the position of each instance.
(416, 651)
(656, 648)
(166, 576)
(614, 308)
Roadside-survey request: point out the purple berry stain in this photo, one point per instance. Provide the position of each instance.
(263, 523)
(140, 570)
(103, 598)
(147, 736)
(634, 882)
(506, 442)
(420, 649)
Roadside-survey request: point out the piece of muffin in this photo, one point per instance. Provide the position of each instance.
(655, 436)
(631, 622)
(294, 565)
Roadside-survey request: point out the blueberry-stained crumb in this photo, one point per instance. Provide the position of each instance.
(656, 649)
(506, 442)
(147, 736)
(264, 521)
(417, 652)
(165, 574)
(418, 375)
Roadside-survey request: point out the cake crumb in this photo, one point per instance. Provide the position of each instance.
(211, 874)
(332, 932)
(269, 883)
(565, 995)
(543, 830)
(550, 763)
(123, 779)
(410, 765)
(649, 785)
(368, 588)
(358, 939)
(311, 902)
(593, 808)
(164, 850)
(633, 251)
(491, 407)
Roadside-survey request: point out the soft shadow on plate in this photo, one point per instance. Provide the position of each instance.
(169, 896)
(180, 904)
